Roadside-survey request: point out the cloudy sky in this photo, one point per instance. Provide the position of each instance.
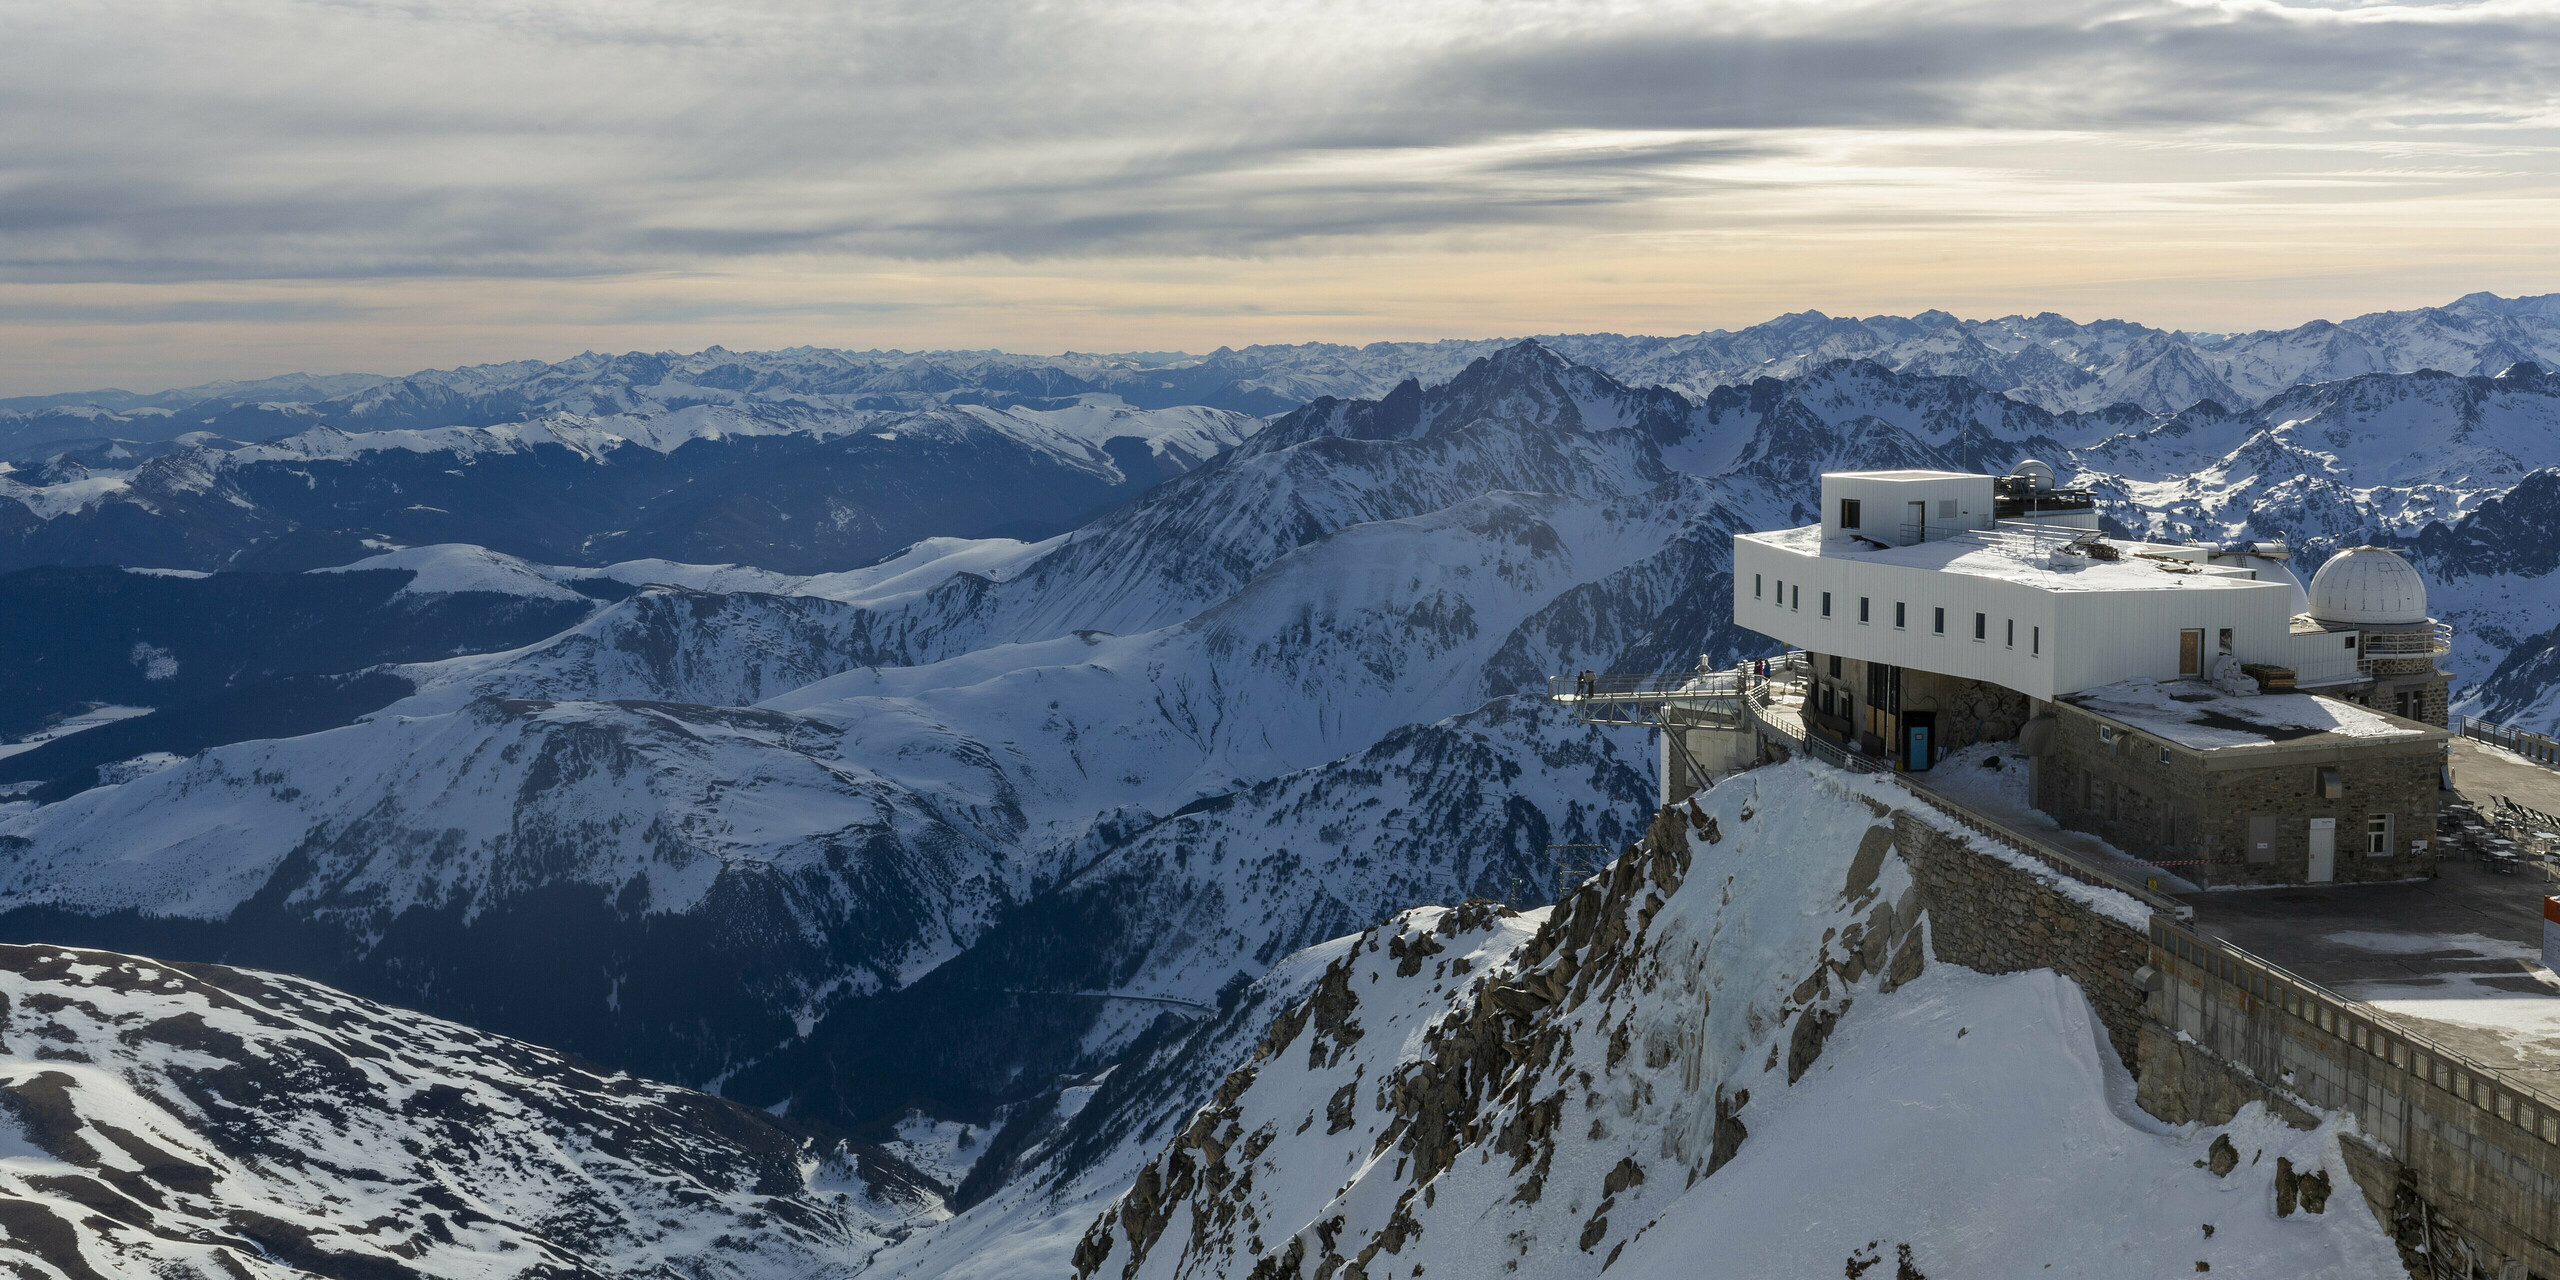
(191, 191)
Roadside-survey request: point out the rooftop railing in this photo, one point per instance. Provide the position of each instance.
(2434, 640)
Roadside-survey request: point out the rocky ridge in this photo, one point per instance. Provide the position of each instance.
(1670, 1061)
(197, 1120)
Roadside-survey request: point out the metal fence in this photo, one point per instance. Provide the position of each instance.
(1649, 685)
(2539, 748)
(2353, 1025)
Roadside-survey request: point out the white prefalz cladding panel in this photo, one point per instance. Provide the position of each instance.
(2074, 631)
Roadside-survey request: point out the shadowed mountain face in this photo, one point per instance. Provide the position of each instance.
(799, 490)
(960, 830)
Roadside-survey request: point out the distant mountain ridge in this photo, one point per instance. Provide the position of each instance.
(2044, 359)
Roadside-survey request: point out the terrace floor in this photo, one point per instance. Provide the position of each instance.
(2456, 959)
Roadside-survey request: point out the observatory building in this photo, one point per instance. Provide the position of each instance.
(2194, 706)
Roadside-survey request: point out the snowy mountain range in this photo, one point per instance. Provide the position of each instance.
(2046, 360)
(909, 830)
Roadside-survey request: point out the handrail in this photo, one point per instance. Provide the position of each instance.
(1668, 684)
(2359, 1026)
(2538, 748)
(2436, 641)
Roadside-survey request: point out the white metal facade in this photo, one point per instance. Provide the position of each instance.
(1950, 500)
(2063, 640)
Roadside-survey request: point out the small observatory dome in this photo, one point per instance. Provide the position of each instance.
(2369, 587)
(2037, 474)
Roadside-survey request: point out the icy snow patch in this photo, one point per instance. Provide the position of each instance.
(451, 568)
(89, 719)
(2401, 944)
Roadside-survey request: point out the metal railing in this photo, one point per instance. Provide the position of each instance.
(2435, 641)
(2539, 748)
(1648, 685)
(2355, 1025)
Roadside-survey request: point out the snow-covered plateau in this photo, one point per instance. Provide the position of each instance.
(905, 760)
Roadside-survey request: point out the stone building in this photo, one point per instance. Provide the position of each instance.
(2221, 790)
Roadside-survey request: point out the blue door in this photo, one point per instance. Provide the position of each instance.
(1916, 748)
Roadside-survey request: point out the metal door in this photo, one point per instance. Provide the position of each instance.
(2324, 850)
(1916, 748)
(2262, 839)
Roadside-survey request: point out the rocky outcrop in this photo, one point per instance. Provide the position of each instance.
(1567, 1080)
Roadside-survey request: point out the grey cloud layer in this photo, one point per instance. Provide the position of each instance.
(270, 139)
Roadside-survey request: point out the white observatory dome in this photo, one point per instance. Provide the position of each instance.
(2369, 587)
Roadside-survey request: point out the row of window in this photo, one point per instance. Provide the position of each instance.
(1902, 616)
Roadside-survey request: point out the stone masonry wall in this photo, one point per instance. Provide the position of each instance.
(2483, 1162)
(1992, 917)
(2179, 812)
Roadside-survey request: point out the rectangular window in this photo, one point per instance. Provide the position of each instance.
(1755, 586)
(1862, 611)
(1782, 593)
(2164, 755)
(2377, 835)
(1835, 666)
(1795, 599)
(1981, 627)
(2191, 652)
(2351, 640)
(1898, 609)
(1940, 625)
(1946, 508)
(1848, 513)
(2035, 642)
(2012, 641)
(1826, 604)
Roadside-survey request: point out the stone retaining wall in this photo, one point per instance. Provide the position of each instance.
(1993, 917)
(2483, 1157)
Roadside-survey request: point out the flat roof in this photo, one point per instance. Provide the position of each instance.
(2019, 559)
(1906, 475)
(2192, 714)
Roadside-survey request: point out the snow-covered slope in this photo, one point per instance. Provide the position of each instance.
(171, 1120)
(1732, 1046)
